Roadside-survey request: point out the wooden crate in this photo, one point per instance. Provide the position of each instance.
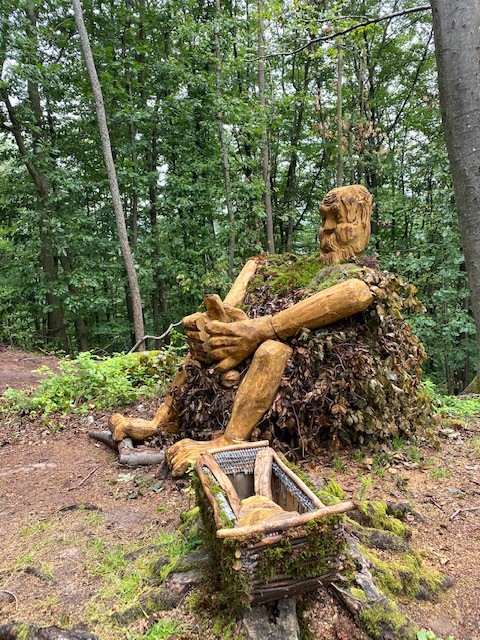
(271, 560)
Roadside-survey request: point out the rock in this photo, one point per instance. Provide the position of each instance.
(399, 509)
(170, 594)
(273, 622)
(198, 560)
(383, 540)
(158, 565)
(7, 596)
(163, 471)
(179, 584)
(18, 631)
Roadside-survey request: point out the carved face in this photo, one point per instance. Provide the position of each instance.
(345, 231)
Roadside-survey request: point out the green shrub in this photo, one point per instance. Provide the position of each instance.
(90, 382)
(451, 405)
(163, 630)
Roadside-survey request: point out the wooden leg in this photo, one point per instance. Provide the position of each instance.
(137, 429)
(258, 389)
(254, 398)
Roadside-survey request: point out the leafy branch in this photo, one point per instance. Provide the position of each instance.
(360, 25)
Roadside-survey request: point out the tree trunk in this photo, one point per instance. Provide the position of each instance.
(134, 289)
(456, 26)
(340, 169)
(224, 149)
(265, 152)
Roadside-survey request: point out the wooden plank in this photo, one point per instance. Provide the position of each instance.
(263, 473)
(286, 589)
(294, 521)
(221, 477)
(206, 489)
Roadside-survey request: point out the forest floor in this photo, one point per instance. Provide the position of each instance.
(77, 529)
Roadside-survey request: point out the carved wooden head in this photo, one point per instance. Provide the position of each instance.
(345, 231)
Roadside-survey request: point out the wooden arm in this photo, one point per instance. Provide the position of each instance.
(326, 307)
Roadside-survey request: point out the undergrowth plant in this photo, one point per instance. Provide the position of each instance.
(90, 382)
(455, 407)
(163, 630)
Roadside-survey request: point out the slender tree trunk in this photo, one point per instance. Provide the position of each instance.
(34, 159)
(133, 286)
(265, 151)
(340, 168)
(456, 26)
(224, 149)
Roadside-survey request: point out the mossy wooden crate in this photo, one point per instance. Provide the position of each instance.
(270, 560)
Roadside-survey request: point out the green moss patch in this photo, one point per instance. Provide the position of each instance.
(386, 621)
(375, 516)
(405, 576)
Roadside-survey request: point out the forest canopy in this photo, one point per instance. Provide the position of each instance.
(198, 139)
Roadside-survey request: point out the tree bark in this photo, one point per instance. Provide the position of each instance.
(265, 152)
(340, 169)
(223, 148)
(35, 159)
(134, 288)
(456, 25)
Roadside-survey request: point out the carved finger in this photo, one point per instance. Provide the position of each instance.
(194, 336)
(190, 322)
(234, 313)
(222, 341)
(227, 364)
(215, 309)
(182, 460)
(223, 352)
(219, 328)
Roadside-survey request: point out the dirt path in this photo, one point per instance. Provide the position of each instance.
(78, 530)
(18, 369)
(56, 534)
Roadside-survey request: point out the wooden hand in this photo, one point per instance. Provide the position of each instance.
(195, 325)
(229, 344)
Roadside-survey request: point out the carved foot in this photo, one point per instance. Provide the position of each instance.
(137, 429)
(185, 453)
(134, 428)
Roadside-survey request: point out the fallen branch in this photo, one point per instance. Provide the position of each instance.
(105, 437)
(133, 457)
(164, 335)
(77, 486)
(456, 513)
(360, 25)
(128, 454)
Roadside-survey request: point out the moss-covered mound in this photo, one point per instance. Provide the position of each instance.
(357, 381)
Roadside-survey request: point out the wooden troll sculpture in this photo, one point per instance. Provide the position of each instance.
(224, 336)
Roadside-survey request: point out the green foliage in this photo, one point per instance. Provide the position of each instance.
(406, 575)
(127, 582)
(163, 630)
(429, 635)
(461, 407)
(89, 382)
(62, 281)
